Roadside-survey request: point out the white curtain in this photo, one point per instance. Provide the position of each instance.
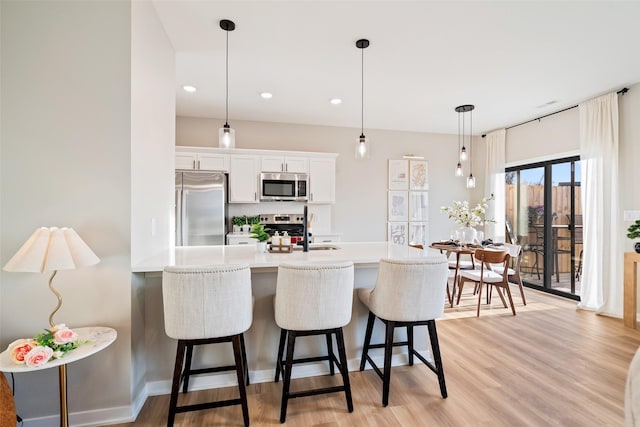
(494, 184)
(601, 288)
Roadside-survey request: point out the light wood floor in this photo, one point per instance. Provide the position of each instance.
(551, 365)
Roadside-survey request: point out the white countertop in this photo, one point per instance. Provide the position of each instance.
(357, 252)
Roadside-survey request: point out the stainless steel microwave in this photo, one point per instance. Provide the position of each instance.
(292, 187)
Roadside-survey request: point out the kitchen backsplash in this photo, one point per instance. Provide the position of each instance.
(321, 220)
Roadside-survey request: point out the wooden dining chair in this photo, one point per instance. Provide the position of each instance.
(486, 276)
(513, 272)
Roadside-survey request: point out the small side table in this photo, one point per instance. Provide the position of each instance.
(98, 338)
(631, 260)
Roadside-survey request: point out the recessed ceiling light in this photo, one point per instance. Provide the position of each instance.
(266, 95)
(335, 101)
(188, 88)
(547, 104)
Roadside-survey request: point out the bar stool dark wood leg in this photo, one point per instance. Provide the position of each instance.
(410, 343)
(344, 369)
(367, 340)
(240, 368)
(245, 364)
(283, 338)
(388, 350)
(330, 354)
(435, 347)
(187, 368)
(175, 386)
(291, 342)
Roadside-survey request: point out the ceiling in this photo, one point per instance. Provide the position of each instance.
(509, 59)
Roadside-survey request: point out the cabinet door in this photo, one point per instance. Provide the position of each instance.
(213, 162)
(295, 164)
(185, 161)
(272, 164)
(322, 181)
(243, 179)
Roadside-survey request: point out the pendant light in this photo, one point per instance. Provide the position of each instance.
(363, 148)
(462, 110)
(227, 135)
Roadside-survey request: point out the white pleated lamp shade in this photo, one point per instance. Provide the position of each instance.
(50, 249)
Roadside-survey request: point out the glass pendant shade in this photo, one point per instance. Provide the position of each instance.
(459, 169)
(226, 137)
(471, 181)
(463, 154)
(363, 148)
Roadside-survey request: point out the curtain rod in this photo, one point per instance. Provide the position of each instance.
(620, 92)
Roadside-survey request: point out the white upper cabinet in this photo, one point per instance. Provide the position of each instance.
(284, 164)
(243, 179)
(322, 181)
(202, 161)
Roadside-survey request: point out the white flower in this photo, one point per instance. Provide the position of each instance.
(461, 214)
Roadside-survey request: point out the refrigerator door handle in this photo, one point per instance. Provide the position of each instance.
(183, 206)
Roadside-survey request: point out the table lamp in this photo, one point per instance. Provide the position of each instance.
(52, 249)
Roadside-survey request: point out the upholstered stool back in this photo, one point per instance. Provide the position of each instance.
(314, 296)
(409, 290)
(206, 302)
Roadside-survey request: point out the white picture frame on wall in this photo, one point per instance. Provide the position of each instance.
(398, 206)
(419, 233)
(418, 175)
(418, 206)
(398, 175)
(397, 232)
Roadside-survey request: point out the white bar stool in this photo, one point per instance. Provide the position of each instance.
(313, 299)
(207, 305)
(407, 293)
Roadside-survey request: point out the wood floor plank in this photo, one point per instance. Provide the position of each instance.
(550, 365)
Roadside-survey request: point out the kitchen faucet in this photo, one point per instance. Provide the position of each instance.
(305, 232)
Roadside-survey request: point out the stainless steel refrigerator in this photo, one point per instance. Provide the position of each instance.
(201, 205)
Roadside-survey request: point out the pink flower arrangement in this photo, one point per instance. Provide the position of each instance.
(52, 343)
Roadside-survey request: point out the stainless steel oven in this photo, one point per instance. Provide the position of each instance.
(291, 187)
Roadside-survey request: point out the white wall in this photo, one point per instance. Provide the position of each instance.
(153, 84)
(548, 138)
(153, 111)
(66, 161)
(360, 211)
(629, 108)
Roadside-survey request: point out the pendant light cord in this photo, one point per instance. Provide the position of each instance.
(226, 117)
(470, 142)
(362, 95)
(459, 114)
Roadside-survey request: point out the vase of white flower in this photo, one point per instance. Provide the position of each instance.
(468, 218)
(467, 234)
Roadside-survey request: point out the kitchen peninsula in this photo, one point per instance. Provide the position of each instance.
(262, 337)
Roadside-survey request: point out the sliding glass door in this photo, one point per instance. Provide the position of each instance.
(544, 216)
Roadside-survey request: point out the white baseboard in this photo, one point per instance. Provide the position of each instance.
(127, 414)
(95, 418)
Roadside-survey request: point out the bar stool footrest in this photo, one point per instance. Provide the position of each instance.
(316, 391)
(209, 405)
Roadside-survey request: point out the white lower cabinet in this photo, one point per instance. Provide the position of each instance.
(242, 239)
(326, 238)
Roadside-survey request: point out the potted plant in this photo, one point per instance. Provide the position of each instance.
(253, 220)
(633, 232)
(238, 222)
(259, 232)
